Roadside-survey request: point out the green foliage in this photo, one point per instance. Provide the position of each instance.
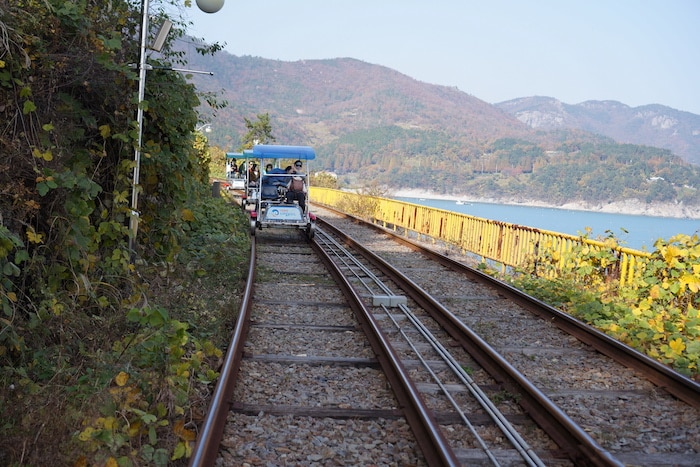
(146, 408)
(260, 131)
(12, 255)
(599, 171)
(66, 275)
(163, 357)
(656, 312)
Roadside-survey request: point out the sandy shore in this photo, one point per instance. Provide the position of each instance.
(633, 207)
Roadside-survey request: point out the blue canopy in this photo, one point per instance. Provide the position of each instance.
(234, 155)
(274, 151)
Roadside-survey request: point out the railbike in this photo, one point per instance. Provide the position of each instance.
(234, 178)
(265, 195)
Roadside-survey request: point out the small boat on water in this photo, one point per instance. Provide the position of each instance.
(460, 202)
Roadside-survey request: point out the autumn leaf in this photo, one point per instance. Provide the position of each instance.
(671, 254)
(187, 215)
(677, 345)
(121, 378)
(691, 281)
(182, 432)
(86, 434)
(109, 423)
(47, 156)
(34, 237)
(655, 292)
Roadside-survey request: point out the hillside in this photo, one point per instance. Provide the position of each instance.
(318, 101)
(651, 125)
(371, 124)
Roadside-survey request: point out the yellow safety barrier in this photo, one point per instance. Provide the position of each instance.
(508, 244)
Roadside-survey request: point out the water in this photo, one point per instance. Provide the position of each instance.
(642, 231)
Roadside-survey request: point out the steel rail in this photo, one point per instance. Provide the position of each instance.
(508, 430)
(581, 447)
(676, 384)
(206, 448)
(435, 447)
(526, 452)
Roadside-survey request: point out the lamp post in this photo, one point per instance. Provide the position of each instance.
(207, 6)
(206, 128)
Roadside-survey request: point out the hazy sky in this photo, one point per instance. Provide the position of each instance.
(634, 51)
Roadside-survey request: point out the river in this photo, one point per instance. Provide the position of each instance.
(641, 231)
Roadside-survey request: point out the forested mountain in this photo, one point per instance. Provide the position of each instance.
(652, 125)
(371, 124)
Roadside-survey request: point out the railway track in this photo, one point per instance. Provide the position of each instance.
(504, 387)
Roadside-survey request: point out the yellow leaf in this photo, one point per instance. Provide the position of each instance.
(182, 432)
(47, 156)
(111, 462)
(105, 131)
(671, 253)
(86, 434)
(134, 429)
(34, 237)
(109, 423)
(12, 296)
(655, 292)
(121, 378)
(187, 215)
(691, 281)
(677, 345)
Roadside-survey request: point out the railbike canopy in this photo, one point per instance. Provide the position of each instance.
(275, 151)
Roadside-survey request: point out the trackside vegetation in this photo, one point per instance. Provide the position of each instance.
(657, 312)
(106, 355)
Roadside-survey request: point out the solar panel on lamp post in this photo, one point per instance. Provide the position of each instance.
(207, 6)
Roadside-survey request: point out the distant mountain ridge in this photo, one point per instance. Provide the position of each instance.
(318, 101)
(651, 125)
(321, 100)
(373, 125)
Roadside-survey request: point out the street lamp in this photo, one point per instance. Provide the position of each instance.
(206, 128)
(207, 6)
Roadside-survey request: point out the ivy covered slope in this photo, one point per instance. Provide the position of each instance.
(103, 360)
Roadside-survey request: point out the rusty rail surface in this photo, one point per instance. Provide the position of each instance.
(206, 448)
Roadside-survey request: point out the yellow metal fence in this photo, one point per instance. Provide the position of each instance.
(510, 245)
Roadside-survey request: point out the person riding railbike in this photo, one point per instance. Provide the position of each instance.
(272, 176)
(296, 190)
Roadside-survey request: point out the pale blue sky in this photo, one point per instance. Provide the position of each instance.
(634, 51)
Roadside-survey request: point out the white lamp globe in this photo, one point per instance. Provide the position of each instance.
(210, 6)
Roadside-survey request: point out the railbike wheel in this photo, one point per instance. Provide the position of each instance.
(310, 230)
